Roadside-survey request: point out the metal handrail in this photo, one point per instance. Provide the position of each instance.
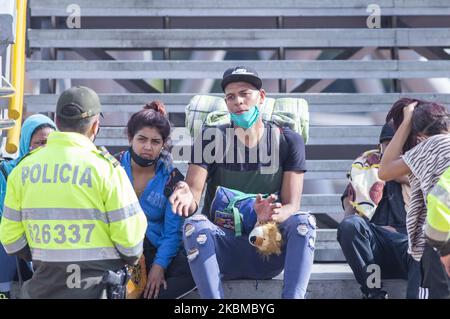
(7, 90)
(18, 77)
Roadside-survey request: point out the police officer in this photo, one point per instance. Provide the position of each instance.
(437, 228)
(71, 208)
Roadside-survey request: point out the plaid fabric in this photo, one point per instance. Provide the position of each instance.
(293, 113)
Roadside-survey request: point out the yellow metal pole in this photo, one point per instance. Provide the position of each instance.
(18, 77)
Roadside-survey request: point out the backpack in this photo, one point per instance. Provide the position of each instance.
(365, 188)
(229, 206)
(206, 110)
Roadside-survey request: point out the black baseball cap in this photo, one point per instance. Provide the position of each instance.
(241, 73)
(78, 102)
(387, 133)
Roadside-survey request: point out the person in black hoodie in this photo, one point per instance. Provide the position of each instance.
(382, 240)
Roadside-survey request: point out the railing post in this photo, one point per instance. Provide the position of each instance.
(15, 108)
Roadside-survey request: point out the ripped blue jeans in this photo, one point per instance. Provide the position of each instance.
(215, 253)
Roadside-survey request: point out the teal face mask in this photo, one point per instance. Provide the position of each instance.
(246, 119)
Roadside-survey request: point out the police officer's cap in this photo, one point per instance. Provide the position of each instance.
(78, 102)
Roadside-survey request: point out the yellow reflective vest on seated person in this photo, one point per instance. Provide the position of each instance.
(72, 206)
(437, 228)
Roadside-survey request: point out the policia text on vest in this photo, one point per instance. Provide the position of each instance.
(65, 173)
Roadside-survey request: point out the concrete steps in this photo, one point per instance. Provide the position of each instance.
(319, 135)
(237, 8)
(271, 69)
(328, 281)
(176, 102)
(237, 38)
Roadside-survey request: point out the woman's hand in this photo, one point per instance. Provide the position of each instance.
(154, 281)
(392, 166)
(408, 112)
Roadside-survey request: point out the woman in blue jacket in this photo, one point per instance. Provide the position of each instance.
(148, 164)
(34, 134)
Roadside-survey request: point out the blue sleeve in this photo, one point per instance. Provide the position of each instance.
(2, 193)
(294, 160)
(171, 237)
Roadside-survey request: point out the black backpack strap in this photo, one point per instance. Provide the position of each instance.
(284, 146)
(283, 142)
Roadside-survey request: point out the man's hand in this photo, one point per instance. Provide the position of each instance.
(265, 207)
(154, 281)
(446, 261)
(181, 199)
(280, 215)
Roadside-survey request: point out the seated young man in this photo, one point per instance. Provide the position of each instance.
(382, 240)
(214, 252)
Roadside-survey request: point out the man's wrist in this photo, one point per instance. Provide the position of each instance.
(194, 207)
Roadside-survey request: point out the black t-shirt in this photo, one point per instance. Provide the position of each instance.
(250, 170)
(291, 150)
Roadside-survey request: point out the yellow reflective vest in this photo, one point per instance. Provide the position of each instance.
(437, 228)
(71, 203)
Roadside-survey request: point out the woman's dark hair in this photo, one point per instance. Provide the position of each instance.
(42, 126)
(153, 115)
(429, 118)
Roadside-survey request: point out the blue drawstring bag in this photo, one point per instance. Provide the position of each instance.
(233, 209)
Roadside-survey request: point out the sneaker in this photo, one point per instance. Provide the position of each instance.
(379, 294)
(5, 295)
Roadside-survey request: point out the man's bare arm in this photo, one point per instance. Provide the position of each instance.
(187, 194)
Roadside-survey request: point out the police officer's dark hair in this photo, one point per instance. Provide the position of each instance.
(153, 115)
(69, 125)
